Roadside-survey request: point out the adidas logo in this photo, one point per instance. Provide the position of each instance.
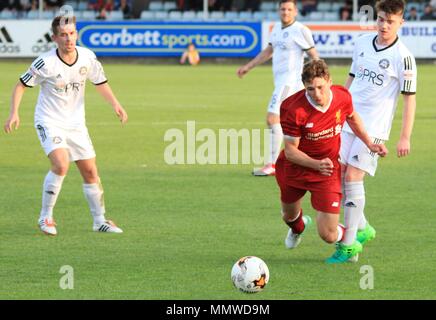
(361, 54)
(43, 44)
(4, 36)
(350, 204)
(7, 44)
(46, 38)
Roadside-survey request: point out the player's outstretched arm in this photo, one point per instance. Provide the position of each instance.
(106, 92)
(263, 56)
(356, 124)
(403, 145)
(293, 154)
(13, 122)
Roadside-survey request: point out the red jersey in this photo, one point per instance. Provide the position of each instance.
(319, 133)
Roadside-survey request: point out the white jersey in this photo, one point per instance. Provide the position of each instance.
(289, 45)
(379, 77)
(61, 98)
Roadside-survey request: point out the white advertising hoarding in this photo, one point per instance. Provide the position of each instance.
(24, 38)
(420, 38)
(336, 40)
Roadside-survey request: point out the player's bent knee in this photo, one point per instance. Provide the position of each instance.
(60, 169)
(90, 176)
(354, 174)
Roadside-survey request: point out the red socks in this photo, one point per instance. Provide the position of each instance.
(297, 225)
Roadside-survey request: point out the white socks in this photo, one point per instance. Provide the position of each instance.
(362, 222)
(50, 191)
(94, 194)
(341, 230)
(52, 187)
(353, 210)
(276, 142)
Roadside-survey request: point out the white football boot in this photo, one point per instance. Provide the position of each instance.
(293, 240)
(107, 226)
(267, 170)
(48, 226)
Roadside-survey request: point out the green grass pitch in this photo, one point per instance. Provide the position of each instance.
(185, 225)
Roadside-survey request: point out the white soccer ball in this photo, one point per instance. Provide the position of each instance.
(250, 274)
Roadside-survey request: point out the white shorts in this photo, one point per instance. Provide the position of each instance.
(76, 141)
(281, 93)
(354, 152)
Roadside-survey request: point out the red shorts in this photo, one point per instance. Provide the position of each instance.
(324, 197)
(328, 202)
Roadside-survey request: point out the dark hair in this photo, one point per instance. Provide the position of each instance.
(285, 1)
(315, 69)
(391, 6)
(57, 21)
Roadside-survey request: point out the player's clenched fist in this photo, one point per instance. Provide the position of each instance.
(325, 167)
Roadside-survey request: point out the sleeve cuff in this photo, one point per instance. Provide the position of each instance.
(352, 75)
(100, 83)
(408, 93)
(290, 138)
(308, 49)
(24, 84)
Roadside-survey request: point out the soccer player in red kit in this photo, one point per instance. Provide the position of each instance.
(312, 121)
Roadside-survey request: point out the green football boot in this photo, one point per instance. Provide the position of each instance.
(345, 253)
(365, 235)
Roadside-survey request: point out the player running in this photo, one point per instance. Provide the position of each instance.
(60, 119)
(382, 68)
(288, 42)
(312, 121)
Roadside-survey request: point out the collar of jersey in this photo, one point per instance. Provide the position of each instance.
(378, 50)
(70, 65)
(295, 20)
(317, 107)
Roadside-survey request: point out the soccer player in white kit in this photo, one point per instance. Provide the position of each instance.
(60, 119)
(382, 68)
(289, 41)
